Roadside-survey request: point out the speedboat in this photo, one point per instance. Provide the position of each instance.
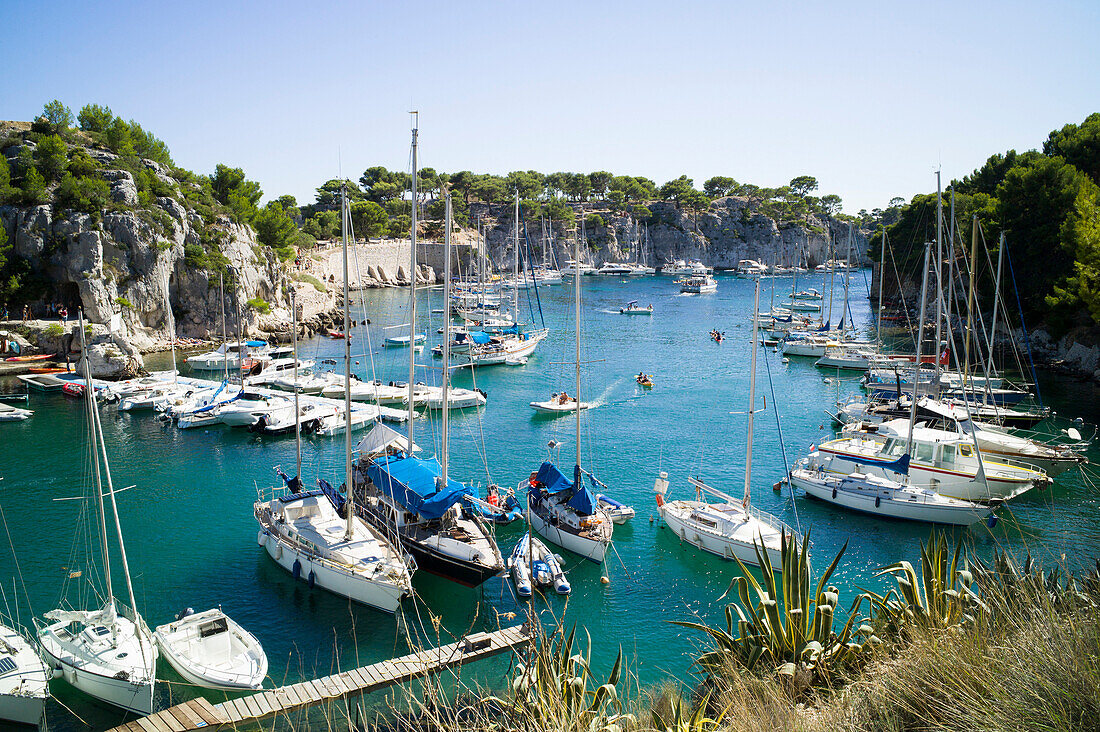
(699, 284)
(559, 404)
(227, 356)
(615, 269)
(210, 650)
(246, 409)
(632, 308)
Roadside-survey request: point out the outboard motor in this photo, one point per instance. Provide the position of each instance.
(184, 613)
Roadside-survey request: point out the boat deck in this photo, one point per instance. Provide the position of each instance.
(199, 713)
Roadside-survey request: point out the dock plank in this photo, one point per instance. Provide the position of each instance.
(206, 710)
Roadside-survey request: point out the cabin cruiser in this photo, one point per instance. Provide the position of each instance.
(229, 355)
(616, 269)
(698, 284)
(749, 268)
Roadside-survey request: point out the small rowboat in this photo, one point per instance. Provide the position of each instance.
(403, 340)
(620, 513)
(209, 649)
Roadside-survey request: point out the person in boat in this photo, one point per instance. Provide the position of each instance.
(493, 499)
(564, 398)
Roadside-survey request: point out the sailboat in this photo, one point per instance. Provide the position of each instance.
(413, 498)
(731, 528)
(105, 651)
(318, 535)
(565, 511)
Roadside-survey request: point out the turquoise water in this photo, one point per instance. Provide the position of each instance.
(191, 537)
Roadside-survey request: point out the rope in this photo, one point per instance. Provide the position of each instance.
(1023, 326)
(782, 447)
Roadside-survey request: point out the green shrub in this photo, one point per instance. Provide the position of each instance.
(259, 305)
(123, 302)
(302, 277)
(88, 194)
(54, 330)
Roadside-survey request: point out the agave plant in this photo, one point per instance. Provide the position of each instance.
(787, 629)
(556, 690)
(1006, 585)
(687, 720)
(942, 597)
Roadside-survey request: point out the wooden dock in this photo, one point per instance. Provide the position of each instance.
(200, 714)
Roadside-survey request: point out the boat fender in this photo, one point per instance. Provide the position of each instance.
(261, 538)
(57, 672)
(834, 495)
(296, 570)
(278, 551)
(312, 579)
(878, 501)
(992, 521)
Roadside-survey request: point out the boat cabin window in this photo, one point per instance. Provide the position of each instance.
(7, 665)
(966, 450)
(895, 448)
(924, 452)
(214, 627)
(709, 523)
(949, 454)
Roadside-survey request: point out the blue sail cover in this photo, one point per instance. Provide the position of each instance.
(582, 501)
(412, 481)
(901, 465)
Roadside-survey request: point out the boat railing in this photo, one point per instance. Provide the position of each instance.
(750, 510)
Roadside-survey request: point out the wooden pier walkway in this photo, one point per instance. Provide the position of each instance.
(200, 714)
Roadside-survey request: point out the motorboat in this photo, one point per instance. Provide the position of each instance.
(404, 340)
(559, 404)
(369, 391)
(698, 284)
(566, 513)
(881, 496)
(24, 684)
(750, 268)
(615, 269)
(246, 409)
(531, 564)
(572, 268)
(456, 399)
(229, 356)
(632, 308)
(209, 649)
(619, 512)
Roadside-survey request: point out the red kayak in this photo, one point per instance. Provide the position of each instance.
(47, 370)
(73, 389)
(39, 357)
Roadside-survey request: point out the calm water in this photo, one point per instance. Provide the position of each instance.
(191, 537)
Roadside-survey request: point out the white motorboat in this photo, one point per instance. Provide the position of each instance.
(845, 358)
(310, 417)
(404, 340)
(632, 308)
(615, 269)
(456, 399)
(885, 497)
(809, 295)
(532, 564)
(23, 681)
(308, 382)
(369, 391)
(619, 512)
(560, 404)
(246, 409)
(8, 413)
(572, 268)
(750, 268)
(210, 650)
(698, 284)
(229, 356)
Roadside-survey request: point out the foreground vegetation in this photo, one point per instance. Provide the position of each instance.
(956, 645)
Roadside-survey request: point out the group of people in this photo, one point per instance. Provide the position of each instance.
(53, 310)
(717, 336)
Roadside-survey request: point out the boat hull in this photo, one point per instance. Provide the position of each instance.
(133, 697)
(590, 549)
(20, 709)
(714, 543)
(893, 509)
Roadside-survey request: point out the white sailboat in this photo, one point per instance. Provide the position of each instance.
(24, 685)
(105, 651)
(565, 511)
(317, 535)
(730, 528)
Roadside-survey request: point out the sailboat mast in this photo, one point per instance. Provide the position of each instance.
(515, 264)
(829, 263)
(970, 301)
(939, 274)
(752, 392)
(847, 274)
(577, 321)
(920, 341)
(89, 401)
(349, 511)
(225, 335)
(446, 336)
(412, 291)
(996, 302)
(298, 414)
(171, 323)
(881, 277)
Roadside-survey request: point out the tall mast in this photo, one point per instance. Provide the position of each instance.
(970, 302)
(939, 275)
(89, 402)
(297, 414)
(881, 277)
(752, 393)
(920, 341)
(577, 321)
(847, 274)
(829, 263)
(412, 290)
(515, 264)
(171, 323)
(349, 529)
(446, 335)
(996, 302)
(951, 266)
(225, 335)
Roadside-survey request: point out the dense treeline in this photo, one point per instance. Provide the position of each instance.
(1047, 203)
(53, 166)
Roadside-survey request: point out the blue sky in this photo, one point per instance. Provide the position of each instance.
(869, 97)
